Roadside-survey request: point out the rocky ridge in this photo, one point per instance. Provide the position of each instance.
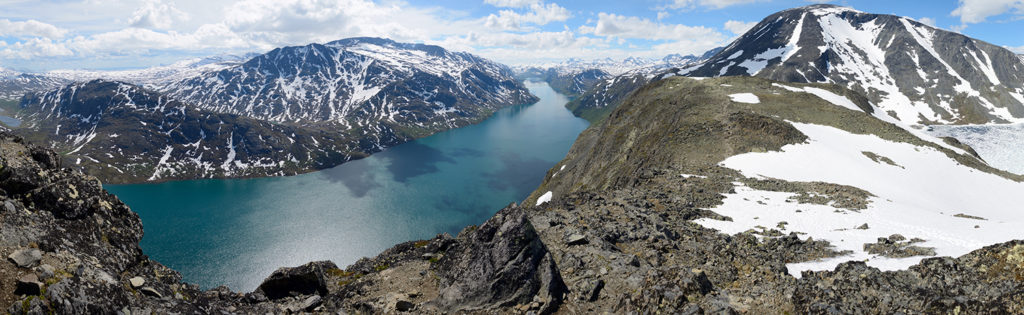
(614, 231)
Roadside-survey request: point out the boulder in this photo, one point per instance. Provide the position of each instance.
(26, 258)
(310, 278)
(502, 263)
(137, 282)
(28, 285)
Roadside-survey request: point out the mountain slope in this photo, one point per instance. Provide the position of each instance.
(914, 72)
(124, 133)
(359, 83)
(757, 186)
(911, 71)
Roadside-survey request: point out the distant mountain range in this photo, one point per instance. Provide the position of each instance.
(913, 72)
(291, 110)
(574, 77)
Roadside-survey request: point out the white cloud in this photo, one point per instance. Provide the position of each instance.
(739, 27)
(539, 14)
(663, 14)
(976, 11)
(614, 25)
(713, 4)
(1019, 49)
(511, 3)
(34, 47)
(156, 14)
(927, 21)
(30, 28)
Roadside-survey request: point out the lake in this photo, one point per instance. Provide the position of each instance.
(236, 232)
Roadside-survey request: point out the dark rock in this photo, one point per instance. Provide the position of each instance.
(404, 306)
(502, 263)
(862, 227)
(26, 257)
(29, 285)
(310, 278)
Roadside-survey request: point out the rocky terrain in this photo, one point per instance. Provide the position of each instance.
(913, 72)
(614, 228)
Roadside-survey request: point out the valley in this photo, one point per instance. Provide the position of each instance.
(785, 159)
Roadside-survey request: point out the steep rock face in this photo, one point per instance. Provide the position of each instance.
(914, 72)
(359, 83)
(124, 133)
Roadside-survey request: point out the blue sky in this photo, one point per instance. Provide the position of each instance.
(122, 34)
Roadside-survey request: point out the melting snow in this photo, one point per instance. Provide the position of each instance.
(917, 198)
(544, 198)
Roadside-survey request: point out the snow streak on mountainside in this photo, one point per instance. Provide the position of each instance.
(914, 72)
(123, 133)
(359, 83)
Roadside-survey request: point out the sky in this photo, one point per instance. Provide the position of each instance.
(41, 35)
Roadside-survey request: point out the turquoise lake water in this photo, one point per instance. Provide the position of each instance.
(236, 232)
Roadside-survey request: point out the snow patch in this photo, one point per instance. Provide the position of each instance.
(544, 198)
(919, 198)
(748, 98)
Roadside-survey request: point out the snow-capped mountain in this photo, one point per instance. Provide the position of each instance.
(292, 110)
(123, 133)
(912, 71)
(574, 77)
(359, 83)
(14, 84)
(154, 77)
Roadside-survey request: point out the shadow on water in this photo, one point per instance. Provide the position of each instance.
(423, 160)
(518, 173)
(357, 178)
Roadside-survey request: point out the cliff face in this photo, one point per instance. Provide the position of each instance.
(619, 226)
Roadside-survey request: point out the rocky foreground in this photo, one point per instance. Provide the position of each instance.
(618, 236)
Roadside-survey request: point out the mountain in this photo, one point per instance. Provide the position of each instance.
(913, 72)
(154, 77)
(15, 84)
(598, 97)
(660, 207)
(359, 83)
(292, 110)
(574, 77)
(124, 133)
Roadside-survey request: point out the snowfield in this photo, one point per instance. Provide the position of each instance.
(918, 197)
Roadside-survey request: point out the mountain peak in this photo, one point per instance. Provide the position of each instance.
(952, 79)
